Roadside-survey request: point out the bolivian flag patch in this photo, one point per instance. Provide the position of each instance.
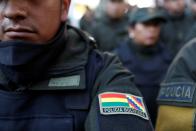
(112, 103)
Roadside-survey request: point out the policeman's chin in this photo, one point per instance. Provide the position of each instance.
(145, 41)
(28, 37)
(149, 43)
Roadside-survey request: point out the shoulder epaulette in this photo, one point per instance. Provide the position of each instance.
(85, 35)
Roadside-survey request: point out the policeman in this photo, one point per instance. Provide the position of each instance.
(52, 79)
(177, 100)
(145, 54)
(175, 30)
(111, 27)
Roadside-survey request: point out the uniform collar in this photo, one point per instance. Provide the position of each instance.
(70, 64)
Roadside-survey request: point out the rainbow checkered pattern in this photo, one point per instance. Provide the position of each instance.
(136, 103)
(113, 103)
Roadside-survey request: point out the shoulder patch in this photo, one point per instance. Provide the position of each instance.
(179, 92)
(112, 103)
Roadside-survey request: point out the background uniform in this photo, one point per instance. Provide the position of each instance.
(109, 33)
(174, 32)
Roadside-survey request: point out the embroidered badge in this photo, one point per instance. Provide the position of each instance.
(112, 103)
(177, 92)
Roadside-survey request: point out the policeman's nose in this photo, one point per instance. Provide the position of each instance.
(14, 11)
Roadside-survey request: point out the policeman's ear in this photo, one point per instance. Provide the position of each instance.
(64, 9)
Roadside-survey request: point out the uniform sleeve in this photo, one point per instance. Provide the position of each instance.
(183, 66)
(117, 104)
(178, 87)
(176, 97)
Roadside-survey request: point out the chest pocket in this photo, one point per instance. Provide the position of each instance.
(38, 123)
(177, 107)
(51, 112)
(60, 104)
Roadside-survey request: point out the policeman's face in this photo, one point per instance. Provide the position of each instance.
(145, 34)
(31, 20)
(175, 7)
(116, 8)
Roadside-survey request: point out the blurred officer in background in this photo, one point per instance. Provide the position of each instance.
(51, 77)
(111, 28)
(100, 9)
(86, 22)
(177, 96)
(174, 32)
(145, 55)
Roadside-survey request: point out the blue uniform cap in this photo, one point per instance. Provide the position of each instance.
(142, 15)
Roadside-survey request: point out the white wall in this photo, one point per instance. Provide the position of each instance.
(142, 3)
(75, 16)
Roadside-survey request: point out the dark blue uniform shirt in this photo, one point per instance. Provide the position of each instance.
(149, 65)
